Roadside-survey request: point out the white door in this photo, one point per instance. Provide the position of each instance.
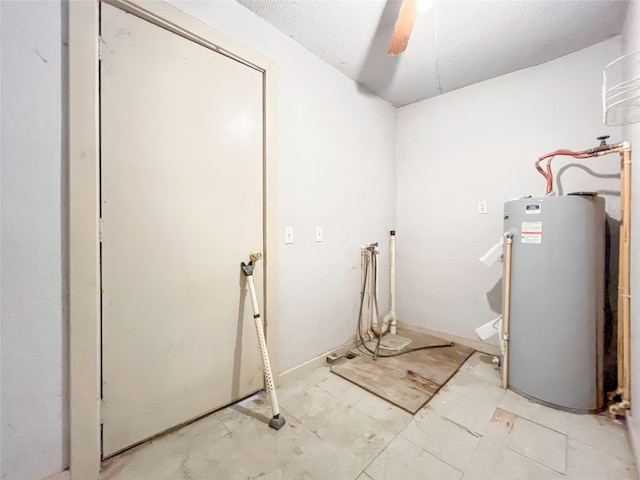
(182, 206)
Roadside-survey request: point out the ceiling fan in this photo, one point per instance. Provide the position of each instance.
(404, 24)
(402, 28)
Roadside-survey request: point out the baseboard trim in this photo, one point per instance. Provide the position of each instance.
(467, 342)
(304, 368)
(634, 441)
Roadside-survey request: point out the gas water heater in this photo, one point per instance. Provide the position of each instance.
(557, 300)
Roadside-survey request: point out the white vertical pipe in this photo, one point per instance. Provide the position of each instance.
(362, 285)
(506, 309)
(390, 320)
(369, 294)
(363, 292)
(374, 304)
(392, 282)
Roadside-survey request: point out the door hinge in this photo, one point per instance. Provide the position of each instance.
(100, 41)
(101, 441)
(101, 423)
(100, 229)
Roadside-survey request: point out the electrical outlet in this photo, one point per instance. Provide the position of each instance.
(318, 234)
(288, 235)
(482, 207)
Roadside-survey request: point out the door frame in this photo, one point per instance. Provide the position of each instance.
(84, 205)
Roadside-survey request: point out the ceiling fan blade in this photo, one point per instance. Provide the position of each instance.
(402, 29)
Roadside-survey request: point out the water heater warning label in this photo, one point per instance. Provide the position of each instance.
(531, 232)
(532, 208)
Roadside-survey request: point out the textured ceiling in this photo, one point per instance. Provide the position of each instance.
(454, 43)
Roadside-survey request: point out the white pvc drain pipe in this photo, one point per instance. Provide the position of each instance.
(390, 318)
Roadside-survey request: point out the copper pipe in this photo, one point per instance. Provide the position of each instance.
(624, 272)
(548, 175)
(624, 294)
(624, 297)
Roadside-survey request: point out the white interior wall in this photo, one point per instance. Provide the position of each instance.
(631, 43)
(336, 169)
(336, 153)
(480, 143)
(33, 303)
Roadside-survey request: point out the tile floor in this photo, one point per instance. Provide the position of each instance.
(335, 430)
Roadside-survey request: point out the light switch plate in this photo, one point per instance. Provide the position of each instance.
(288, 235)
(318, 234)
(483, 207)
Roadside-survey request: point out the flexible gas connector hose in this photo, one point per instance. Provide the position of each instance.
(375, 353)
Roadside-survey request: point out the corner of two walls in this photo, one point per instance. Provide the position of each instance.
(480, 143)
